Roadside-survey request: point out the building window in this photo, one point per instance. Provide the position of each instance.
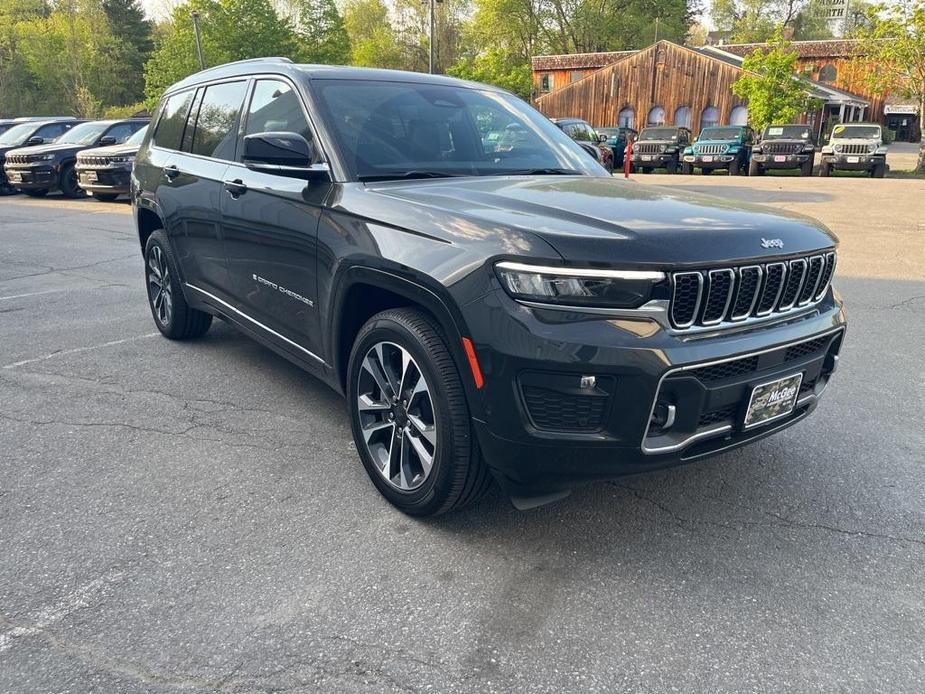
(709, 117)
(682, 117)
(656, 116)
(739, 116)
(545, 83)
(828, 73)
(576, 75)
(626, 118)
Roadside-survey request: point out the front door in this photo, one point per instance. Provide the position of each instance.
(270, 225)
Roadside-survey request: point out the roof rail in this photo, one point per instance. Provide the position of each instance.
(269, 59)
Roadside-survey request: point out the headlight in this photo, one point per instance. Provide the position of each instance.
(733, 149)
(578, 286)
(881, 150)
(663, 148)
(809, 148)
(44, 157)
(756, 149)
(122, 160)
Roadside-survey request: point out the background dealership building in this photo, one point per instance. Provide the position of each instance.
(671, 84)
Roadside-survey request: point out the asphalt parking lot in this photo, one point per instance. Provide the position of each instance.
(192, 517)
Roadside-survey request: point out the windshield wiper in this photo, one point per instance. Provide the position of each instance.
(541, 172)
(413, 173)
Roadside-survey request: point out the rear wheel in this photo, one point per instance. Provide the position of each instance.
(409, 416)
(172, 315)
(68, 183)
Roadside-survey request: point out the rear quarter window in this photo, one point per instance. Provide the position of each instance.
(172, 121)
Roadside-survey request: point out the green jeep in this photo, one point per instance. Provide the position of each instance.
(722, 147)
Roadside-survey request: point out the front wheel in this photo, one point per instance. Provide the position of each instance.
(68, 183)
(172, 315)
(705, 171)
(879, 171)
(647, 169)
(672, 166)
(409, 416)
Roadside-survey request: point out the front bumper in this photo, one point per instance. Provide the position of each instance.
(711, 161)
(654, 160)
(542, 434)
(853, 162)
(782, 161)
(104, 179)
(31, 177)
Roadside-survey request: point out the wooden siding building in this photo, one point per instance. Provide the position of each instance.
(552, 72)
(662, 84)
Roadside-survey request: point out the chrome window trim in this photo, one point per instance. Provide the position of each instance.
(689, 367)
(257, 323)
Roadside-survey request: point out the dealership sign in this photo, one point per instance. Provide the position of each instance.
(900, 110)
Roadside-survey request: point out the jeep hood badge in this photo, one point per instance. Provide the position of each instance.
(771, 243)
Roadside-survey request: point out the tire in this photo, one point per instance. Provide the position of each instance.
(754, 168)
(806, 168)
(105, 197)
(878, 171)
(6, 189)
(687, 169)
(173, 316)
(647, 169)
(37, 193)
(734, 168)
(458, 475)
(672, 167)
(68, 183)
(825, 170)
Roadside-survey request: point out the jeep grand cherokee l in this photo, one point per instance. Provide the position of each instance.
(26, 134)
(516, 315)
(38, 169)
(104, 172)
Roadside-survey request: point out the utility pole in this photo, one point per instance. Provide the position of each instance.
(195, 16)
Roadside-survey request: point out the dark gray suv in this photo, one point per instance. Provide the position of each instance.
(510, 313)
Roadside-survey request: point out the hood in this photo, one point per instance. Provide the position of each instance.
(596, 219)
(855, 141)
(51, 148)
(122, 150)
(785, 141)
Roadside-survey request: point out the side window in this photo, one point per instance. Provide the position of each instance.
(50, 132)
(172, 121)
(216, 133)
(121, 132)
(275, 107)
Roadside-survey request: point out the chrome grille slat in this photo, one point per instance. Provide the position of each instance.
(648, 148)
(711, 149)
(781, 147)
(722, 296)
(852, 149)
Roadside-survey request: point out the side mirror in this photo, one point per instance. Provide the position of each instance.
(107, 140)
(281, 153)
(35, 141)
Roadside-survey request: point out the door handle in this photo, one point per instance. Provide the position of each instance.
(236, 187)
(171, 172)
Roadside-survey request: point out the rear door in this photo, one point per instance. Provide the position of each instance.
(192, 182)
(271, 223)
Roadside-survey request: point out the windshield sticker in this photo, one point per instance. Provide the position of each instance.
(775, 131)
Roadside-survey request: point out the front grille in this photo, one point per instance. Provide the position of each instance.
(781, 147)
(711, 297)
(647, 148)
(711, 149)
(716, 416)
(805, 349)
(726, 369)
(19, 159)
(93, 161)
(552, 409)
(853, 149)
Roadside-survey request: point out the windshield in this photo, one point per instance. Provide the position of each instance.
(138, 137)
(720, 134)
(411, 130)
(83, 134)
(786, 132)
(659, 134)
(18, 134)
(612, 134)
(861, 132)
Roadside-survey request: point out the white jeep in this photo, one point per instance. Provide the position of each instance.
(855, 147)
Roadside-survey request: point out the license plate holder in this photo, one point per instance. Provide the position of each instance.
(90, 176)
(772, 400)
(780, 158)
(647, 157)
(708, 160)
(854, 160)
(14, 177)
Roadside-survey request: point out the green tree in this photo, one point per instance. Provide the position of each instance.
(321, 33)
(894, 41)
(231, 30)
(774, 92)
(134, 32)
(495, 67)
(373, 41)
(749, 21)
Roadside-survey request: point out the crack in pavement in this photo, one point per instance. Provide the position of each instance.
(50, 269)
(785, 522)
